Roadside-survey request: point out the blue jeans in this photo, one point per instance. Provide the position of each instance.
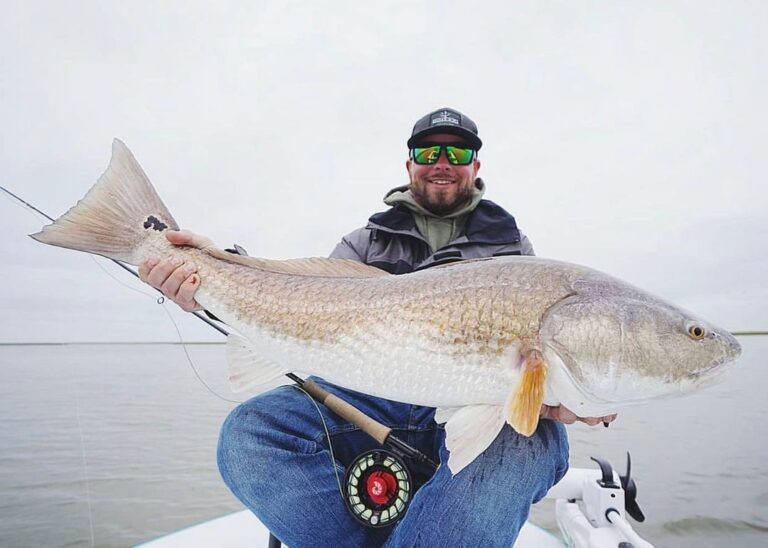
(273, 454)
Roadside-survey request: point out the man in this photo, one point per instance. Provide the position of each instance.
(274, 452)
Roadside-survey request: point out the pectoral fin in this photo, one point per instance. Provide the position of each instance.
(247, 369)
(524, 404)
(469, 431)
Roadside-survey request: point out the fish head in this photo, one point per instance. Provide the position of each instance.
(619, 345)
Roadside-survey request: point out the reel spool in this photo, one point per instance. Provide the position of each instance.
(377, 488)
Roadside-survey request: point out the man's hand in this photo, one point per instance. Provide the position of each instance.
(563, 414)
(175, 279)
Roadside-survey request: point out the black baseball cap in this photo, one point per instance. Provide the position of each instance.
(446, 120)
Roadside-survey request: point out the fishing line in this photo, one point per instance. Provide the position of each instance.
(161, 301)
(327, 435)
(118, 280)
(85, 462)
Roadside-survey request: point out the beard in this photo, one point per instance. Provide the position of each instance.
(442, 201)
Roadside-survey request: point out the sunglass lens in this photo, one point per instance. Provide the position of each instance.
(428, 155)
(459, 156)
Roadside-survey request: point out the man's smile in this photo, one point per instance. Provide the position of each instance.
(441, 182)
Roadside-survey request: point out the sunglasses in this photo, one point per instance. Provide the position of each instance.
(428, 155)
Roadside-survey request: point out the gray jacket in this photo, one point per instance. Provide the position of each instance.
(392, 242)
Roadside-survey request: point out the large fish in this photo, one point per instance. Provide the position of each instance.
(485, 341)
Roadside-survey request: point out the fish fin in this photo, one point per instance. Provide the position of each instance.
(116, 214)
(524, 404)
(444, 414)
(247, 369)
(311, 266)
(470, 431)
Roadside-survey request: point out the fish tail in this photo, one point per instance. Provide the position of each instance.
(116, 215)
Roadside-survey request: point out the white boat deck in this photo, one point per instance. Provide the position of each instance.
(243, 530)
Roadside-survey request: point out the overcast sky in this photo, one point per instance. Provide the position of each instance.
(626, 136)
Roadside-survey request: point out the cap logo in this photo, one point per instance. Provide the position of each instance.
(443, 117)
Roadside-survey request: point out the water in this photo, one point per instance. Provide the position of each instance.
(142, 425)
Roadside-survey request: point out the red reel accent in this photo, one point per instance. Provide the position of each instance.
(380, 486)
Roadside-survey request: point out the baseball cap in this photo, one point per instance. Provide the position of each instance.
(446, 120)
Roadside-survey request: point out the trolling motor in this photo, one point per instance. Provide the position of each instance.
(591, 506)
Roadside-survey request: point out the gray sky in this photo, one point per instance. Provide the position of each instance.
(627, 136)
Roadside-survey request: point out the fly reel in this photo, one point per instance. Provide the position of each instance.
(377, 488)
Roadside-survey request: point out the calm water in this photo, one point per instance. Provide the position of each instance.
(136, 418)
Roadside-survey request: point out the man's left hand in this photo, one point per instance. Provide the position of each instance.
(563, 414)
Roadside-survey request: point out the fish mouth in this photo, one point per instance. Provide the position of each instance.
(702, 376)
(714, 369)
(731, 353)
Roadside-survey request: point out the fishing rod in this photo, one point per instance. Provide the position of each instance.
(379, 483)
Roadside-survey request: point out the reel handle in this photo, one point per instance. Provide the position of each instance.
(372, 427)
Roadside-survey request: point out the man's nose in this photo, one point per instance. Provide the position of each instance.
(442, 161)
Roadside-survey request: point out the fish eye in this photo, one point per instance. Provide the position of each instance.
(696, 332)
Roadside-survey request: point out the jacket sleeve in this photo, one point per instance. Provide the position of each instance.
(526, 247)
(353, 246)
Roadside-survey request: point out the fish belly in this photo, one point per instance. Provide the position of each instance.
(377, 360)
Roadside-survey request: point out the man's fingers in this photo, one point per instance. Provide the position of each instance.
(566, 416)
(179, 237)
(594, 421)
(558, 413)
(185, 298)
(172, 284)
(175, 279)
(187, 237)
(159, 274)
(146, 266)
(562, 414)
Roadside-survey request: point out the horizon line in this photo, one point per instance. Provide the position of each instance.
(136, 343)
(63, 343)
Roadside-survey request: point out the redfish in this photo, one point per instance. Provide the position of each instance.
(485, 341)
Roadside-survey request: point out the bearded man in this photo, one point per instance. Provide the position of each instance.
(275, 453)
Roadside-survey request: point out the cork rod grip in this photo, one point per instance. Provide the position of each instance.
(373, 428)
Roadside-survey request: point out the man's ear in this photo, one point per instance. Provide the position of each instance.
(477, 166)
(408, 165)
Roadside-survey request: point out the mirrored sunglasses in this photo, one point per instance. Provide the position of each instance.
(428, 155)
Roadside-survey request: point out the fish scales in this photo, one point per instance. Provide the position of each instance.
(460, 322)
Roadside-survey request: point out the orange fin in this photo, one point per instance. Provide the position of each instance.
(524, 404)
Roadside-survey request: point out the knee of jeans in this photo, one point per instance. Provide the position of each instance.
(263, 429)
(231, 438)
(243, 449)
(551, 440)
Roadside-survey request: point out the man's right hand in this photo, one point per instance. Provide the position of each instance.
(174, 278)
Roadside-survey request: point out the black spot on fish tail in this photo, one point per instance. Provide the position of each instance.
(155, 223)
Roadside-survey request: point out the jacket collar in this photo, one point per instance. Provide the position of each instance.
(487, 223)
